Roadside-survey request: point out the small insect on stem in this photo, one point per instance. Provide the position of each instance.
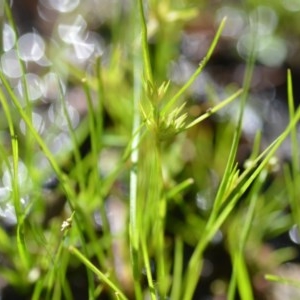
(67, 224)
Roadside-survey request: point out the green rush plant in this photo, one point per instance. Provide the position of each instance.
(150, 118)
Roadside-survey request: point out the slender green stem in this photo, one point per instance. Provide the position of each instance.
(133, 209)
(24, 86)
(240, 275)
(294, 140)
(95, 131)
(178, 267)
(282, 280)
(77, 156)
(215, 109)
(159, 215)
(99, 105)
(237, 134)
(15, 185)
(293, 179)
(134, 228)
(202, 64)
(95, 270)
(148, 269)
(179, 188)
(145, 48)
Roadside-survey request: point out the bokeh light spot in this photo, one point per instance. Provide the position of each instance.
(235, 21)
(57, 116)
(22, 174)
(37, 122)
(34, 87)
(291, 5)
(10, 64)
(63, 6)
(31, 47)
(9, 37)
